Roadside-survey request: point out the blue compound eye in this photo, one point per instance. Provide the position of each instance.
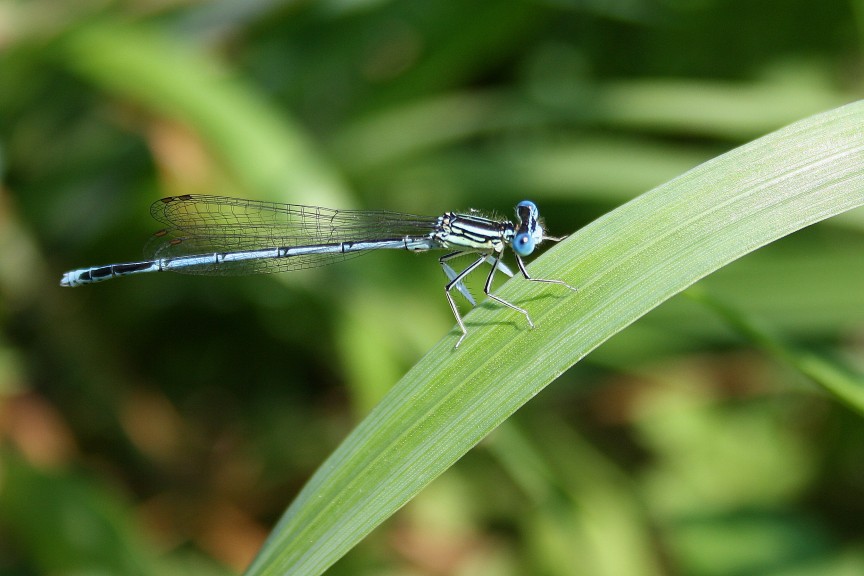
(523, 244)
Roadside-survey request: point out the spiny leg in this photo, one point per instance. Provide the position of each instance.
(456, 281)
(544, 280)
(451, 274)
(487, 289)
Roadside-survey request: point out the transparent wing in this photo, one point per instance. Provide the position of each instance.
(200, 225)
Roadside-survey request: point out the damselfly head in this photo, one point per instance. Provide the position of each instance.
(530, 231)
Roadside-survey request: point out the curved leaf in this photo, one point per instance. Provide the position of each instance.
(624, 264)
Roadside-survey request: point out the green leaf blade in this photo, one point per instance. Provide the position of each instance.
(624, 264)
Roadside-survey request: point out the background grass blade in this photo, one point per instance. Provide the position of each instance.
(625, 264)
(264, 150)
(838, 380)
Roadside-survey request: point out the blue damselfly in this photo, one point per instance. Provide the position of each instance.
(219, 236)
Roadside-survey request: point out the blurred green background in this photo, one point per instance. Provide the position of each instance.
(161, 424)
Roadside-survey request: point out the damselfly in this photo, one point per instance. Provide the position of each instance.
(218, 236)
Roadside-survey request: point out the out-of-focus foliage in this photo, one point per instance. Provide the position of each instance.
(161, 424)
